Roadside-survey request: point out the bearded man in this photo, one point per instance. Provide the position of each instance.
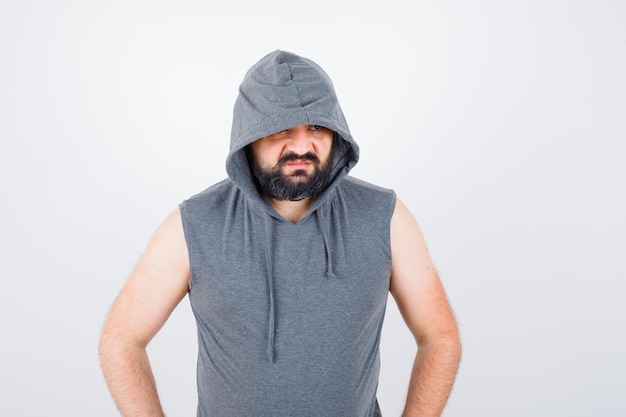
(287, 264)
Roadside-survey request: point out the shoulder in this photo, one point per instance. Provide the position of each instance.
(211, 192)
(359, 184)
(366, 190)
(366, 193)
(207, 199)
(209, 206)
(369, 199)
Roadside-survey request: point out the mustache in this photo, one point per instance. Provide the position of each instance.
(292, 156)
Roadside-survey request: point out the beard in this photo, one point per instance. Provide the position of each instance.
(295, 186)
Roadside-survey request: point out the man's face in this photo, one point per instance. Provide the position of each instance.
(295, 163)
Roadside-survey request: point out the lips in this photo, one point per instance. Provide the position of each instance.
(298, 164)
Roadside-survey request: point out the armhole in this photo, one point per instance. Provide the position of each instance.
(183, 216)
(391, 211)
(393, 201)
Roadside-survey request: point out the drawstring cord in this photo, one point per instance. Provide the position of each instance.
(324, 228)
(270, 284)
(271, 336)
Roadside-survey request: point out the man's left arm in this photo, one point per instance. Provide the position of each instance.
(422, 302)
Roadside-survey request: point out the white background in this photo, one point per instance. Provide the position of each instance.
(501, 125)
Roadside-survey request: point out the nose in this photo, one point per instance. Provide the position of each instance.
(300, 140)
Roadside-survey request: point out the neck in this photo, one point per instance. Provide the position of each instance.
(292, 211)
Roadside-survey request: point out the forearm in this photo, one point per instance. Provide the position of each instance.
(129, 376)
(432, 377)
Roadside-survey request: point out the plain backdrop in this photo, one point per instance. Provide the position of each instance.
(501, 124)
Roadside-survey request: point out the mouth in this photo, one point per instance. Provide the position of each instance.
(298, 164)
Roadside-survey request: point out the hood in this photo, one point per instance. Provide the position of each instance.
(281, 91)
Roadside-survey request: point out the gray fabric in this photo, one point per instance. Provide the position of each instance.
(289, 315)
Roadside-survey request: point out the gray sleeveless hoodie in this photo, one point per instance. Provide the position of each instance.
(289, 315)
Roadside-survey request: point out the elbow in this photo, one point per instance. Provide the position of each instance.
(115, 343)
(456, 350)
(110, 345)
(453, 345)
(447, 347)
(115, 353)
(106, 346)
(449, 350)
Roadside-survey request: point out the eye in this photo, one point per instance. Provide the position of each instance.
(316, 127)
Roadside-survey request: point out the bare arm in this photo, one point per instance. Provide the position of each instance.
(423, 304)
(153, 290)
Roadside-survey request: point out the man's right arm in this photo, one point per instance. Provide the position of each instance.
(156, 286)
